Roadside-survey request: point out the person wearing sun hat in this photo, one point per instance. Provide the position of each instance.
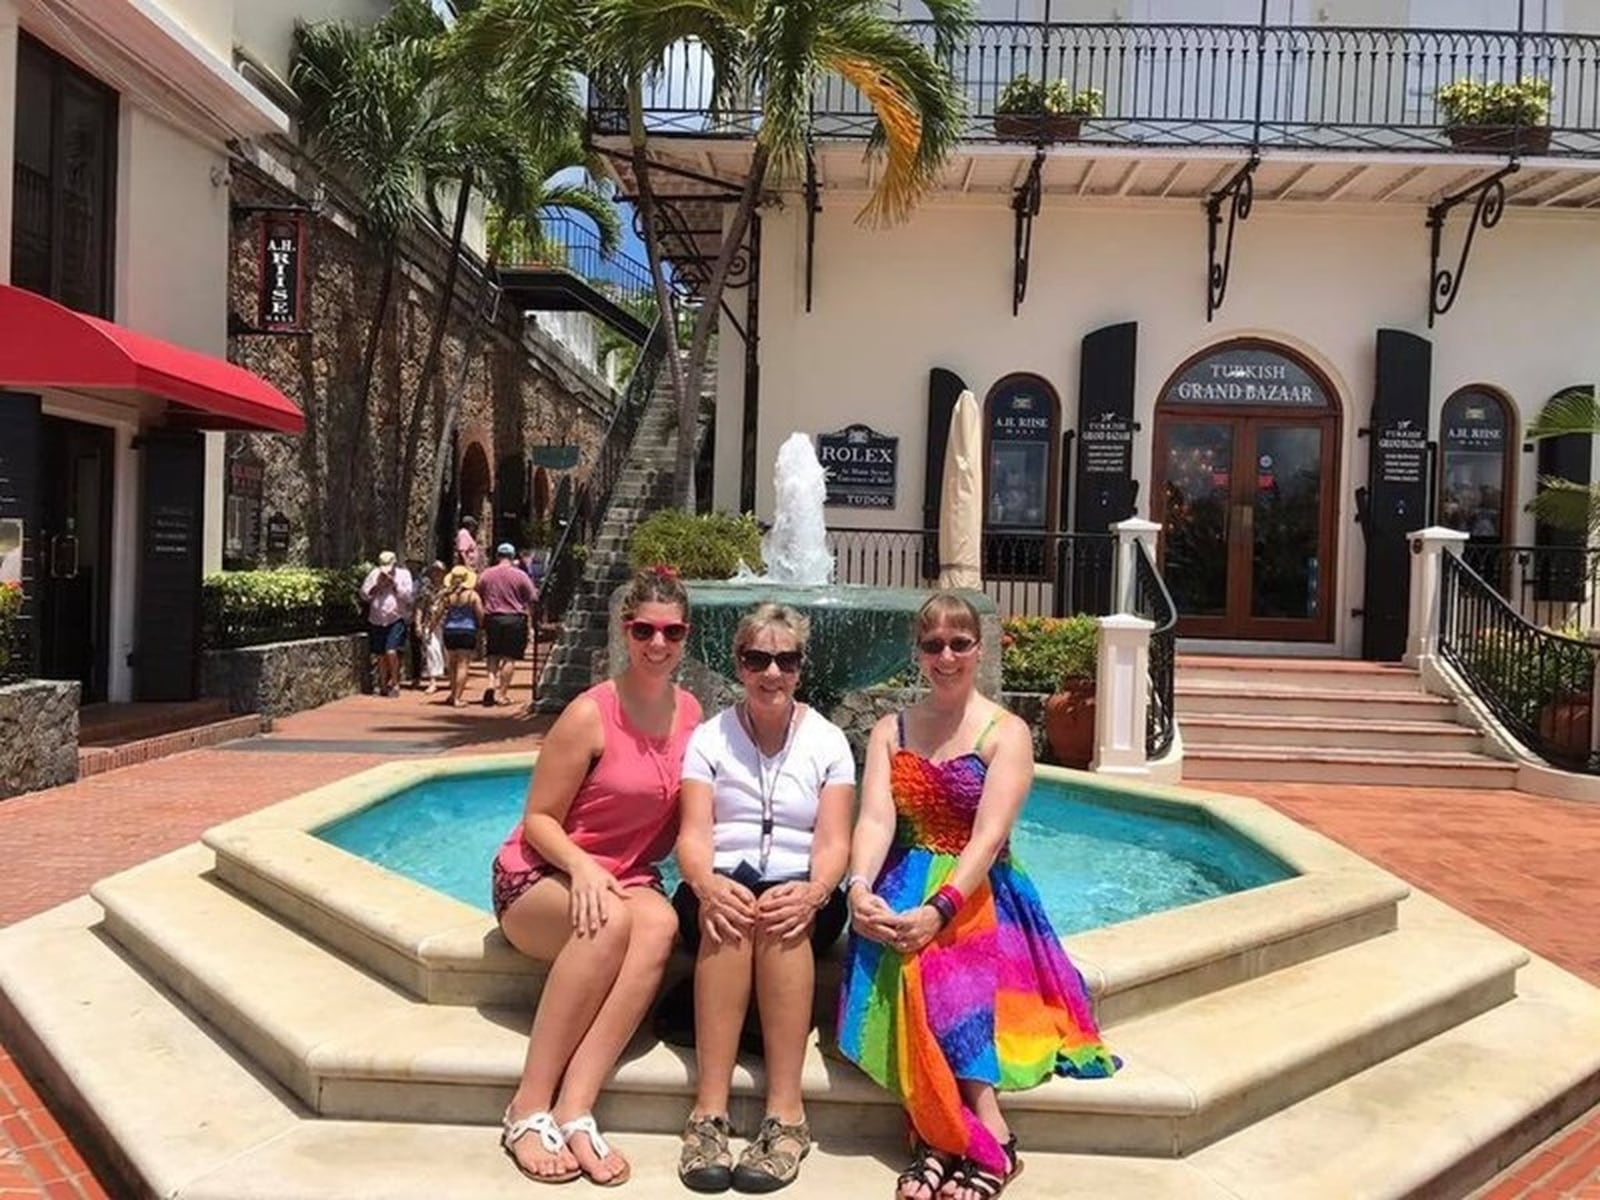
(388, 591)
(461, 616)
(508, 597)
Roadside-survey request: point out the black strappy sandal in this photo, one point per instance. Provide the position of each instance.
(928, 1167)
(988, 1185)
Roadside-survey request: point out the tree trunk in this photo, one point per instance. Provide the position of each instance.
(710, 310)
(430, 363)
(343, 500)
(666, 299)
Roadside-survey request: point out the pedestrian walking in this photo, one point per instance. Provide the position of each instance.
(389, 593)
(427, 620)
(467, 553)
(508, 597)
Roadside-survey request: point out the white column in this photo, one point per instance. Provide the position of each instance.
(1122, 695)
(1428, 546)
(8, 127)
(1133, 531)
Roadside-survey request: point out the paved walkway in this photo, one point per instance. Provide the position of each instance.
(1519, 863)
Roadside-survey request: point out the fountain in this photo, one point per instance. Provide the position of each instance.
(860, 635)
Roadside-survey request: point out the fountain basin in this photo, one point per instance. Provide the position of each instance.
(859, 635)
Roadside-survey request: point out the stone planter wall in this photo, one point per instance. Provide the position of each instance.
(858, 712)
(286, 677)
(38, 735)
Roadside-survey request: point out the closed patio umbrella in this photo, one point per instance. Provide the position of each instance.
(961, 499)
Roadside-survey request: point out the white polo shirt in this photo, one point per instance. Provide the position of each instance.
(748, 787)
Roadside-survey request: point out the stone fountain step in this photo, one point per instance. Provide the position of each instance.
(350, 1045)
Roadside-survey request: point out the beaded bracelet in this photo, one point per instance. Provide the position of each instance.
(953, 894)
(940, 903)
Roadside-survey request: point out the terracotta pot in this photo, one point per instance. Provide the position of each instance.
(1069, 723)
(1500, 139)
(1037, 127)
(1564, 724)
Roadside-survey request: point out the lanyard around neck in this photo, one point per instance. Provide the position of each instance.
(768, 791)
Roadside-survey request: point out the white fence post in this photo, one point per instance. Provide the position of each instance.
(1422, 626)
(1130, 532)
(1122, 695)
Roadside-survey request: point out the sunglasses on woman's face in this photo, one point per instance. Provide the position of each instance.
(644, 631)
(958, 645)
(758, 661)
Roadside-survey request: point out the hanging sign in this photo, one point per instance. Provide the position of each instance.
(282, 274)
(277, 534)
(861, 464)
(554, 458)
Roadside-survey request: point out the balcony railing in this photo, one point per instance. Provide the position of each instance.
(1288, 87)
(572, 245)
(1553, 587)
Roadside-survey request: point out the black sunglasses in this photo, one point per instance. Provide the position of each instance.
(958, 645)
(758, 661)
(643, 631)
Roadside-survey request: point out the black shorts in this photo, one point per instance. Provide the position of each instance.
(383, 638)
(825, 930)
(460, 639)
(506, 635)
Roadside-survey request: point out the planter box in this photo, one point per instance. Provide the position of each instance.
(1500, 139)
(1037, 127)
(38, 735)
(286, 677)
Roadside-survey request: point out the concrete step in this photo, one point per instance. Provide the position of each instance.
(95, 760)
(1333, 703)
(350, 1045)
(1327, 764)
(1240, 730)
(1322, 674)
(117, 724)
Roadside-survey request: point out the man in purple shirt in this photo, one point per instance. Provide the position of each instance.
(508, 597)
(389, 592)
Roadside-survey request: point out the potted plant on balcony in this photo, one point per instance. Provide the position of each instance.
(1030, 111)
(1496, 117)
(1056, 655)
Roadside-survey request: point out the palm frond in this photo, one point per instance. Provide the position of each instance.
(1564, 504)
(1571, 410)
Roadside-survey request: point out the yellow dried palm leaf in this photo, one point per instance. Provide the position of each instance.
(900, 187)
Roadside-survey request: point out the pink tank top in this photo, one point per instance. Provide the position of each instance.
(625, 815)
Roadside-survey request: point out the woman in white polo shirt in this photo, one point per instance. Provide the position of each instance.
(764, 837)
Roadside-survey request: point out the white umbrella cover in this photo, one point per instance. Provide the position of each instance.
(960, 499)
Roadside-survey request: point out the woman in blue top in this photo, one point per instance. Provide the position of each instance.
(461, 616)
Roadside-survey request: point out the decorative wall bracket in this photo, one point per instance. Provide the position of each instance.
(1488, 198)
(1239, 192)
(813, 194)
(1025, 204)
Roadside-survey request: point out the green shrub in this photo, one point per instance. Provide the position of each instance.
(10, 608)
(1469, 102)
(1025, 96)
(282, 588)
(1525, 674)
(1037, 653)
(699, 546)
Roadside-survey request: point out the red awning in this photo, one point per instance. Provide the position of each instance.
(45, 345)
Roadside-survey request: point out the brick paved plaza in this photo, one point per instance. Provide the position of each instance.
(1519, 863)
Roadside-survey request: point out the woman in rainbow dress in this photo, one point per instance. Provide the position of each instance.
(955, 985)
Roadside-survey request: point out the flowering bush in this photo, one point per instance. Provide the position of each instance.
(1038, 653)
(10, 608)
(1469, 102)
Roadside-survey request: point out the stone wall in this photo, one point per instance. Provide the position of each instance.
(38, 735)
(858, 712)
(339, 484)
(286, 677)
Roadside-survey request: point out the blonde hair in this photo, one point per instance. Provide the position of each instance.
(654, 585)
(947, 608)
(771, 616)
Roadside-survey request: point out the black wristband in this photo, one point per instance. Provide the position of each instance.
(941, 905)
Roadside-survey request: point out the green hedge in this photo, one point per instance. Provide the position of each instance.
(699, 546)
(250, 608)
(10, 607)
(1037, 653)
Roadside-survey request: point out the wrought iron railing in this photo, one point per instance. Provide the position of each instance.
(1555, 587)
(574, 246)
(1538, 683)
(567, 558)
(1324, 87)
(1153, 602)
(1027, 574)
(226, 626)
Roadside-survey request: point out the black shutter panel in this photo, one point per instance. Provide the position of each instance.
(1106, 490)
(167, 642)
(1397, 488)
(944, 389)
(20, 431)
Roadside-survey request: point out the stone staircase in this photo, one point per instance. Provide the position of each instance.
(222, 1033)
(646, 485)
(1325, 721)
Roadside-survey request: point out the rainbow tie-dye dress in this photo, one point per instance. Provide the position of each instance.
(992, 998)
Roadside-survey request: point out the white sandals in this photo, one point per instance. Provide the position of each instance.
(602, 1148)
(552, 1138)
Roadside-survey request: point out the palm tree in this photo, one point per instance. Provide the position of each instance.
(1565, 503)
(370, 110)
(779, 50)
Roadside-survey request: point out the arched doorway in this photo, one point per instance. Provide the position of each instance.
(1021, 434)
(1246, 476)
(1477, 426)
(475, 484)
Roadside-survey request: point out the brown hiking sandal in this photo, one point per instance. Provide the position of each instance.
(772, 1159)
(706, 1163)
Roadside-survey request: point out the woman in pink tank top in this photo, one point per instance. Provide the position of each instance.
(576, 886)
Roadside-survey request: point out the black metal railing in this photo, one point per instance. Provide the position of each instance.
(574, 246)
(567, 558)
(1555, 587)
(1153, 602)
(1538, 683)
(1027, 574)
(225, 627)
(1324, 87)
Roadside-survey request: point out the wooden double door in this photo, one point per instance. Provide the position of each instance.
(1246, 504)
